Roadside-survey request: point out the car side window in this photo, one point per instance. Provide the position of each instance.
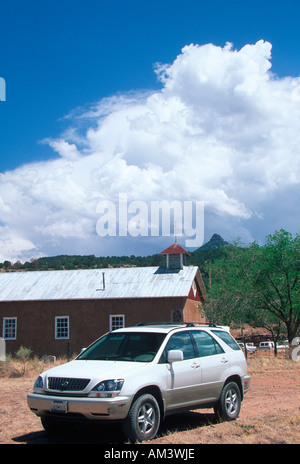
(227, 338)
(206, 345)
(180, 341)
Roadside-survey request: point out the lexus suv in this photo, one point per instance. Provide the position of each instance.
(141, 374)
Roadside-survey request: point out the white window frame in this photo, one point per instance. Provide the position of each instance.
(57, 320)
(115, 323)
(5, 328)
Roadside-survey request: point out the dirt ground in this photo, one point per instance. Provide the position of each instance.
(270, 414)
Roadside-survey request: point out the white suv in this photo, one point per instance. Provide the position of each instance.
(138, 375)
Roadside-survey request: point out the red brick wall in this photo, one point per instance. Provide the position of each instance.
(89, 319)
(193, 312)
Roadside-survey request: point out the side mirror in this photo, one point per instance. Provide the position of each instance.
(175, 355)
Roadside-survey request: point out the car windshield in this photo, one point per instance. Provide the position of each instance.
(124, 346)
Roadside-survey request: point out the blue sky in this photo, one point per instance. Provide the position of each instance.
(61, 58)
(58, 55)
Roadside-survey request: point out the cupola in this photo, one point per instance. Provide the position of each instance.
(175, 256)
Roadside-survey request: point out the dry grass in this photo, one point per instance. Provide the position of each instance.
(266, 362)
(14, 368)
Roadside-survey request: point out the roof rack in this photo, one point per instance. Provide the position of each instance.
(195, 324)
(159, 323)
(187, 324)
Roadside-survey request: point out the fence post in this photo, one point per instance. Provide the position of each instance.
(2, 349)
(246, 354)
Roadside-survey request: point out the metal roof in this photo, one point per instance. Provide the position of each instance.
(143, 282)
(175, 248)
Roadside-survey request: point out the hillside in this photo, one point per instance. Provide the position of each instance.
(215, 242)
(208, 252)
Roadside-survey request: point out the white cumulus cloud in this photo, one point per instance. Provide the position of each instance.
(223, 129)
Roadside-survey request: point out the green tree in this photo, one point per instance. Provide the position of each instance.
(258, 284)
(7, 264)
(278, 280)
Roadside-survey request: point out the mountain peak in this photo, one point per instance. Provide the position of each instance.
(216, 241)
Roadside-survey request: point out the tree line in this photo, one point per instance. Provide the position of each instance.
(69, 262)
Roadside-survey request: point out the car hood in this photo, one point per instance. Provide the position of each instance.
(95, 370)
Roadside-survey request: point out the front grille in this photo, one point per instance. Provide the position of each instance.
(67, 384)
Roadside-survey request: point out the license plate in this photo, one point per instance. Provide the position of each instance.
(59, 406)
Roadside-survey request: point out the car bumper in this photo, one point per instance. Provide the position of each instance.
(81, 408)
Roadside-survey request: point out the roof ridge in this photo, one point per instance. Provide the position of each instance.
(175, 248)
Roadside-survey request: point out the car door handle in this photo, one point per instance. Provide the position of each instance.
(195, 365)
(224, 360)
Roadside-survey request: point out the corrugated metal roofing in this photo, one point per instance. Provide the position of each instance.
(145, 282)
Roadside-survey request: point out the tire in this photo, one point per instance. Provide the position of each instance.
(229, 404)
(143, 419)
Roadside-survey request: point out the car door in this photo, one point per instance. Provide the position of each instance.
(213, 364)
(183, 378)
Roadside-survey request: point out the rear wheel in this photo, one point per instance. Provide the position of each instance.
(229, 404)
(143, 419)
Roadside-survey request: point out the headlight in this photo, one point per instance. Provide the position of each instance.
(39, 385)
(107, 388)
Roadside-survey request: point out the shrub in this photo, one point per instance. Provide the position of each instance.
(23, 355)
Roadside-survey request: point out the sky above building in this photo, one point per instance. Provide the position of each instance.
(112, 107)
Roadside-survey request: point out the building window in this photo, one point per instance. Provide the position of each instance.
(10, 328)
(61, 327)
(116, 321)
(177, 315)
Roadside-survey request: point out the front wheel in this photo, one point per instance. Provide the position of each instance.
(229, 404)
(143, 419)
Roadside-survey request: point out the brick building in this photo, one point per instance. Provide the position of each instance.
(53, 312)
